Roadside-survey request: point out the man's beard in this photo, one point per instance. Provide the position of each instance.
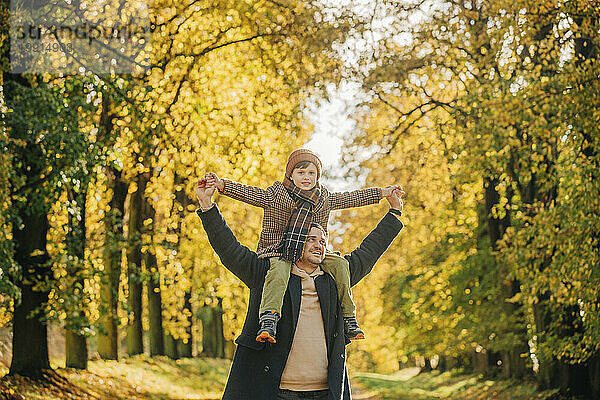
(313, 258)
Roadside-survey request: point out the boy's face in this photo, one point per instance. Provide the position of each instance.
(305, 178)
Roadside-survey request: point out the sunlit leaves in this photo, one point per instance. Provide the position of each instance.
(509, 86)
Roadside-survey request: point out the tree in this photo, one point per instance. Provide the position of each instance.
(495, 79)
(40, 128)
(227, 99)
(108, 343)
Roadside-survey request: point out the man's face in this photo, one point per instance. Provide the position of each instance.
(305, 178)
(314, 250)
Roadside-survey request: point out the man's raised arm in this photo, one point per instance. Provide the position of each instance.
(244, 263)
(364, 257)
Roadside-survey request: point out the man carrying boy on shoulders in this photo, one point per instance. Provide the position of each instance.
(308, 359)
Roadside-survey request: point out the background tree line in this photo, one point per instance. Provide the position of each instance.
(487, 112)
(98, 176)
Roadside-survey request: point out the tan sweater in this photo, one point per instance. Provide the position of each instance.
(306, 367)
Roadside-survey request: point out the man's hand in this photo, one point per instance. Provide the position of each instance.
(395, 199)
(387, 192)
(212, 180)
(204, 194)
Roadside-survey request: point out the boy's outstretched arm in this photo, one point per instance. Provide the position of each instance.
(248, 194)
(244, 263)
(360, 197)
(363, 258)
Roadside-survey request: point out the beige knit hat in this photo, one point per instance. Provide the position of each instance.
(299, 156)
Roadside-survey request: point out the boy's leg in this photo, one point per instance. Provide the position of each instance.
(275, 285)
(271, 302)
(339, 269)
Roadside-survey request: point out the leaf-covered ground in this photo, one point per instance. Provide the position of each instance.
(408, 385)
(134, 378)
(144, 378)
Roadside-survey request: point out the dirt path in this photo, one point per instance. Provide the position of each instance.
(360, 393)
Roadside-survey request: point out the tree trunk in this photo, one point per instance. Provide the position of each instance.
(480, 362)
(586, 49)
(574, 379)
(426, 365)
(185, 345)
(171, 347)
(594, 374)
(208, 339)
(157, 344)
(30, 333)
(513, 365)
(108, 340)
(76, 351)
(544, 312)
(213, 340)
(548, 373)
(220, 337)
(171, 344)
(135, 344)
(443, 364)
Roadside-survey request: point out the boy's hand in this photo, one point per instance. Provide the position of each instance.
(212, 180)
(388, 191)
(395, 199)
(204, 194)
(398, 191)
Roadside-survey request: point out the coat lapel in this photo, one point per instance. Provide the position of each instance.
(324, 292)
(295, 288)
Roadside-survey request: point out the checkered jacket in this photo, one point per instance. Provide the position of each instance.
(278, 206)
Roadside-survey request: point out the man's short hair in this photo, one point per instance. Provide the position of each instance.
(317, 225)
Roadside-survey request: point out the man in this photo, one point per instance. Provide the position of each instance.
(308, 360)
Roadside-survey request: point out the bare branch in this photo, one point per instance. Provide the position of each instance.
(212, 48)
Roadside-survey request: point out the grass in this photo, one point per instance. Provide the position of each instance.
(133, 378)
(409, 385)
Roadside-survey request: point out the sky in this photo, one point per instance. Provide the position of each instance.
(331, 118)
(332, 124)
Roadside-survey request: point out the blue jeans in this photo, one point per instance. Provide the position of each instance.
(285, 394)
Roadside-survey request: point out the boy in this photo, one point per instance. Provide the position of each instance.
(290, 208)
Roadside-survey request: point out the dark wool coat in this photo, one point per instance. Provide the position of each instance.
(257, 367)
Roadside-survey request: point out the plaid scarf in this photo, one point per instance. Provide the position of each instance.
(298, 226)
